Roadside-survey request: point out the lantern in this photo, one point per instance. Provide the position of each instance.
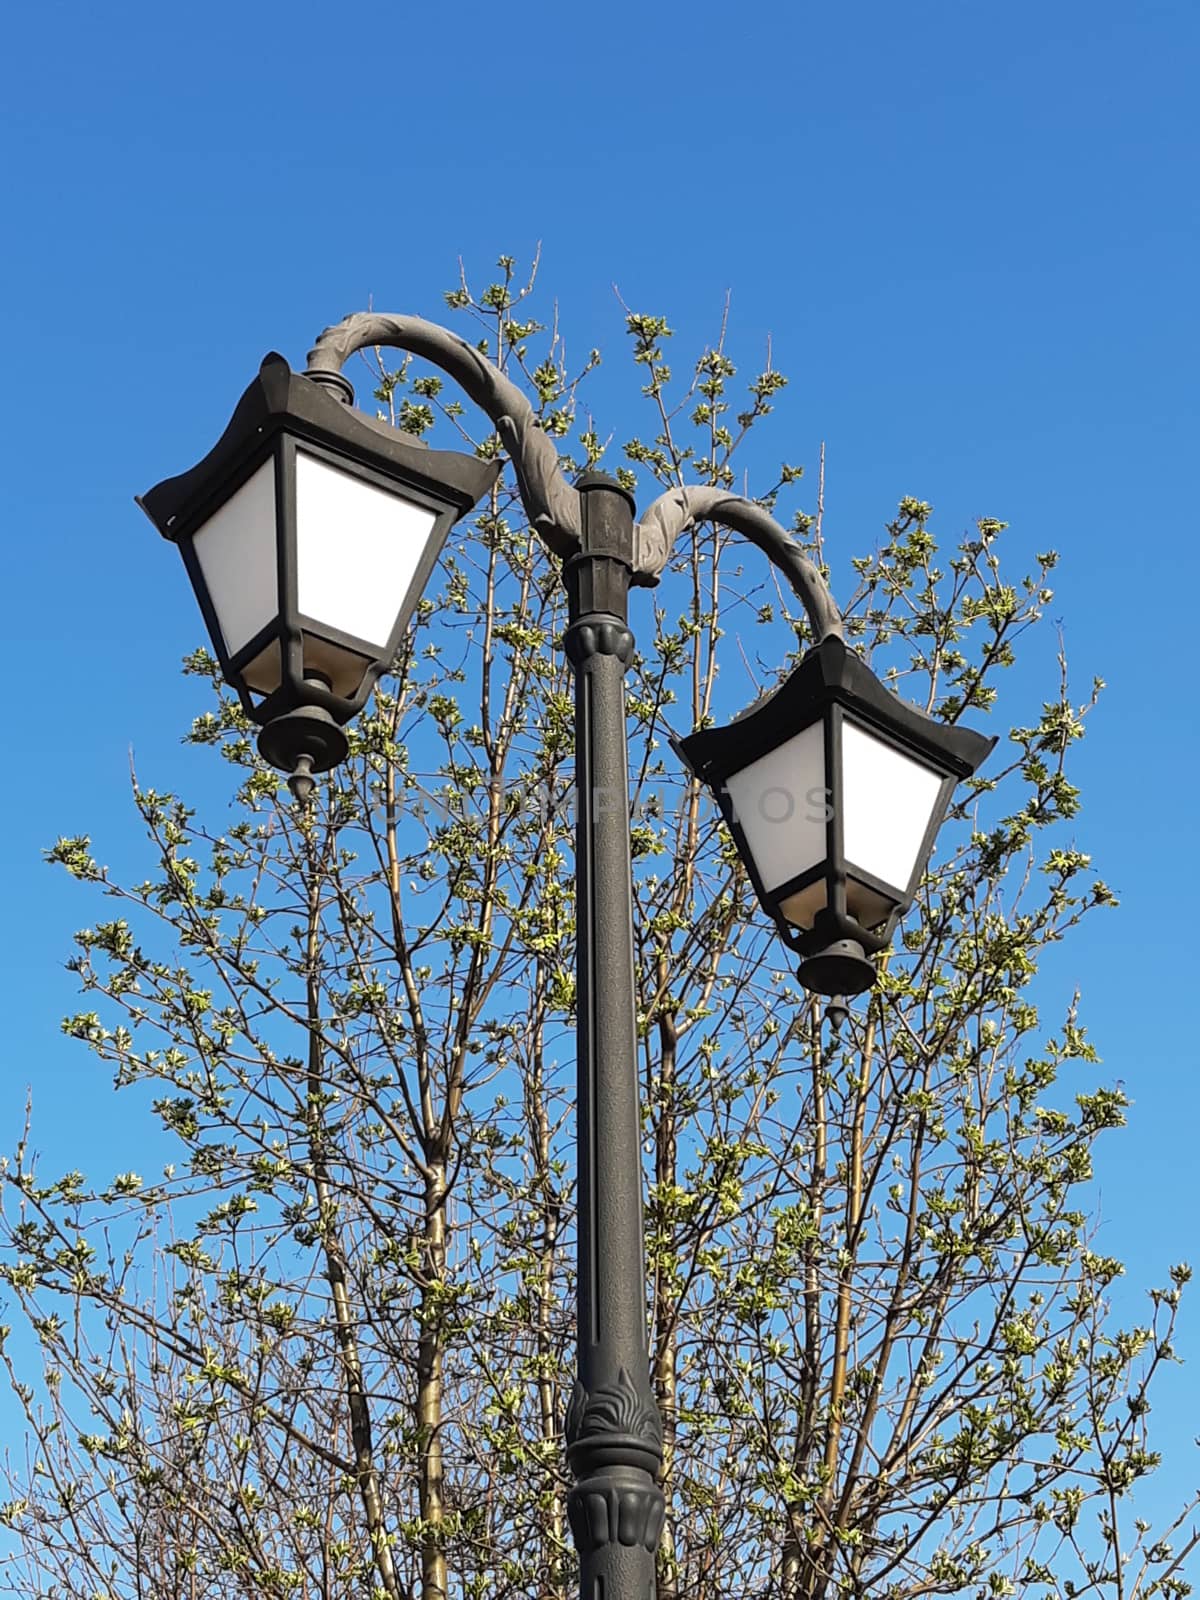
(308, 532)
(834, 789)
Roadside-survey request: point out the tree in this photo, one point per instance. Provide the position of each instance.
(327, 1352)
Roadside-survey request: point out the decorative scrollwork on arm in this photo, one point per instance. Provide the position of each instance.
(676, 510)
(550, 501)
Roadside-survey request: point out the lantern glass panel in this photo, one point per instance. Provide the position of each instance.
(236, 552)
(780, 804)
(342, 667)
(888, 798)
(801, 908)
(264, 673)
(867, 906)
(357, 550)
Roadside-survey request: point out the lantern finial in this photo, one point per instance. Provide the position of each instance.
(839, 969)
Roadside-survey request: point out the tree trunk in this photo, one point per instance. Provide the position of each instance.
(665, 1306)
(430, 1351)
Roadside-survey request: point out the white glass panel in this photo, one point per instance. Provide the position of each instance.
(887, 801)
(357, 550)
(236, 552)
(780, 803)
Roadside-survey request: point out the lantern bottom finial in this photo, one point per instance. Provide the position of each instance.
(301, 743)
(841, 968)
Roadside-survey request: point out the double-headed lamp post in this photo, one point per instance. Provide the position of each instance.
(309, 531)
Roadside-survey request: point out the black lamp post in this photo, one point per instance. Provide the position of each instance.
(308, 532)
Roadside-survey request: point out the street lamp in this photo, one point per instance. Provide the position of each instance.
(308, 532)
(833, 789)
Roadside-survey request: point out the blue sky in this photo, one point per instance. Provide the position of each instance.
(971, 232)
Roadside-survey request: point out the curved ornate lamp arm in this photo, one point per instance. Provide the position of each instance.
(676, 510)
(551, 502)
(553, 505)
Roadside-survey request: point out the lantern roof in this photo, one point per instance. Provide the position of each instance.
(830, 673)
(282, 401)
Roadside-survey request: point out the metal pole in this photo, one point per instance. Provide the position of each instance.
(614, 1432)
